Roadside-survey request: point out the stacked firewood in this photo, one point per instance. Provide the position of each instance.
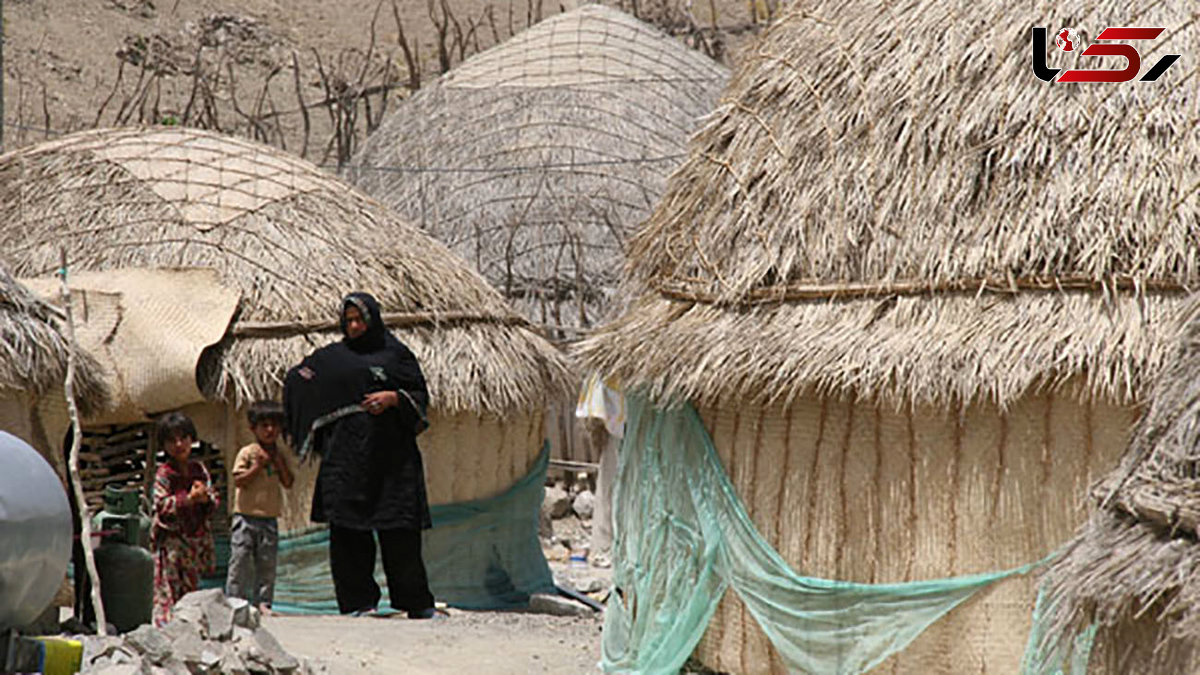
(120, 456)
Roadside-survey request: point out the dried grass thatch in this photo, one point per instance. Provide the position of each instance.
(888, 202)
(534, 159)
(33, 349)
(1139, 555)
(290, 238)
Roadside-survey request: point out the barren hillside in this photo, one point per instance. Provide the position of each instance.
(312, 76)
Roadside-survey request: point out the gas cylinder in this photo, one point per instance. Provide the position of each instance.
(126, 583)
(122, 517)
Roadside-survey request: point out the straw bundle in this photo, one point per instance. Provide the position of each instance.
(33, 350)
(1133, 568)
(290, 238)
(534, 159)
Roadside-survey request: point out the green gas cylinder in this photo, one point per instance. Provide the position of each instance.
(121, 513)
(126, 583)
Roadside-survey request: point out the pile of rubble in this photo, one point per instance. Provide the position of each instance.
(566, 519)
(209, 633)
(566, 532)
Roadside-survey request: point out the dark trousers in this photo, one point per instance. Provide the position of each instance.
(352, 560)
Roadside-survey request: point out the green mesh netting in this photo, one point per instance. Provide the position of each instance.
(683, 538)
(483, 554)
(1042, 658)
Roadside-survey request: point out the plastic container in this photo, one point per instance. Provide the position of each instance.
(35, 532)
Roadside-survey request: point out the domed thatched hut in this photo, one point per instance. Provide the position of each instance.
(535, 158)
(915, 295)
(33, 368)
(291, 241)
(1132, 570)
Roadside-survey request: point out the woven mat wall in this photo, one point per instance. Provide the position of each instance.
(147, 327)
(858, 493)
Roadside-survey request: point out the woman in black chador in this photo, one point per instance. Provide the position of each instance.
(359, 404)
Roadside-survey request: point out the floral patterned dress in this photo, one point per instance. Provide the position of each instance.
(181, 537)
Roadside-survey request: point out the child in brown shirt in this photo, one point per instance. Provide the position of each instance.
(259, 473)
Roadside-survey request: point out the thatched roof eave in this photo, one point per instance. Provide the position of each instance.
(34, 351)
(947, 349)
(484, 368)
(290, 238)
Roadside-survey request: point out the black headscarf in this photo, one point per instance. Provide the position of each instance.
(332, 381)
(371, 475)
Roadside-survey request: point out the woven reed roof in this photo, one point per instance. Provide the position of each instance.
(1139, 551)
(290, 238)
(33, 349)
(534, 159)
(888, 203)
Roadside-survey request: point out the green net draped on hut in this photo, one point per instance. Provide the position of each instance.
(488, 554)
(1046, 657)
(684, 537)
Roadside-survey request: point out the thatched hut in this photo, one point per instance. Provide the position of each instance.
(1130, 573)
(33, 369)
(290, 240)
(915, 295)
(535, 158)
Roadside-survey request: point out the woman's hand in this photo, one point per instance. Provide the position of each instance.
(198, 493)
(377, 402)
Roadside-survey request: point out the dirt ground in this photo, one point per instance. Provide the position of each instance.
(498, 643)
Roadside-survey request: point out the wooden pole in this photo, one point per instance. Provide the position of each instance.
(85, 523)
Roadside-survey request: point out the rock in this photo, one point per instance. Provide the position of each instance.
(249, 652)
(587, 584)
(149, 642)
(273, 653)
(192, 614)
(245, 615)
(241, 610)
(176, 667)
(201, 598)
(232, 664)
(584, 504)
(213, 607)
(242, 634)
(544, 603)
(120, 669)
(556, 502)
(213, 654)
(581, 582)
(95, 647)
(545, 523)
(218, 618)
(186, 642)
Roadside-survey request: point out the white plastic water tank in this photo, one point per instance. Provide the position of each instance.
(35, 532)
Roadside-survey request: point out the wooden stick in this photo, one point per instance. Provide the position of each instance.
(570, 465)
(687, 291)
(73, 464)
(393, 320)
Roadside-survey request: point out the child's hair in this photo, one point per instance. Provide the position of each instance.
(262, 411)
(173, 425)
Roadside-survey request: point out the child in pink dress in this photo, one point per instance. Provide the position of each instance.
(184, 501)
